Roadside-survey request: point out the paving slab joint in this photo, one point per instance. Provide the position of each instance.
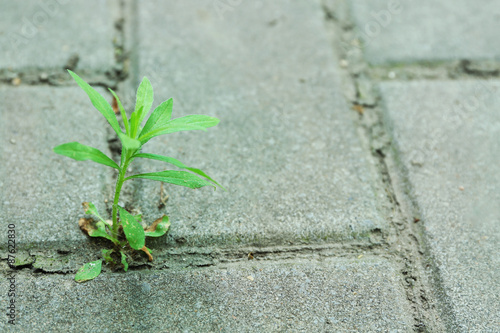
(439, 70)
(67, 261)
(407, 241)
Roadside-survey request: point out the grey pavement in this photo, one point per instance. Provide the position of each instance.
(356, 202)
(334, 295)
(289, 179)
(50, 34)
(402, 31)
(41, 192)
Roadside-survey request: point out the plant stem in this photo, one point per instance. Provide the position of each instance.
(119, 183)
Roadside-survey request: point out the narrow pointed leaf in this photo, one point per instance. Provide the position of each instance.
(135, 123)
(89, 271)
(181, 178)
(144, 99)
(122, 112)
(80, 152)
(159, 227)
(99, 102)
(159, 117)
(178, 164)
(187, 123)
(132, 229)
(124, 261)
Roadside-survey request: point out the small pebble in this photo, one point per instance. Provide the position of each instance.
(16, 81)
(250, 278)
(391, 75)
(461, 188)
(13, 141)
(344, 63)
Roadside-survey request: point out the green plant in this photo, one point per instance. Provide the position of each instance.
(133, 138)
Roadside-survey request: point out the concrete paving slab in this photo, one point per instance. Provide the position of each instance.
(46, 34)
(338, 295)
(408, 31)
(286, 147)
(447, 134)
(41, 192)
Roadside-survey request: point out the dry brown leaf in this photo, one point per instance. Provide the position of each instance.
(145, 249)
(152, 227)
(85, 225)
(114, 104)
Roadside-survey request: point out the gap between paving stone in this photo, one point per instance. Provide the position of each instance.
(408, 243)
(68, 260)
(381, 145)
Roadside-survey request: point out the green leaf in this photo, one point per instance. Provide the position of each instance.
(159, 227)
(159, 117)
(187, 123)
(132, 229)
(122, 112)
(80, 152)
(144, 98)
(144, 101)
(99, 102)
(89, 271)
(124, 261)
(181, 178)
(178, 164)
(101, 232)
(135, 123)
(92, 210)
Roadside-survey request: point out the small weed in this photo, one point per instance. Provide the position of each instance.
(125, 228)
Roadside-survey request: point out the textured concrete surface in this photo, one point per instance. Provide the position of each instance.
(337, 295)
(349, 230)
(286, 147)
(45, 34)
(448, 136)
(408, 31)
(41, 192)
